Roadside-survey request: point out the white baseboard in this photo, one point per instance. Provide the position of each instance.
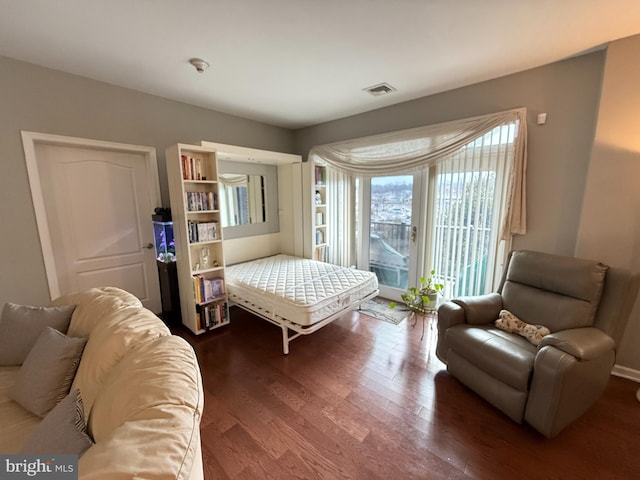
(626, 372)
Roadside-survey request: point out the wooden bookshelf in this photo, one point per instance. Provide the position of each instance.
(192, 173)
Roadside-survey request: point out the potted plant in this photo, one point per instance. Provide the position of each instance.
(422, 299)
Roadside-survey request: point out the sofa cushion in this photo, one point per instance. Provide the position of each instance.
(16, 423)
(505, 356)
(150, 402)
(46, 374)
(63, 431)
(21, 325)
(93, 305)
(115, 322)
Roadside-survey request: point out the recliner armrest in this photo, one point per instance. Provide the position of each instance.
(480, 309)
(586, 343)
(450, 314)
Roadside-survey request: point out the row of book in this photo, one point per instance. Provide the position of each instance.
(192, 168)
(199, 201)
(321, 253)
(202, 231)
(207, 289)
(212, 315)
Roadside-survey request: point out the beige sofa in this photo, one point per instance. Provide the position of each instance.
(141, 389)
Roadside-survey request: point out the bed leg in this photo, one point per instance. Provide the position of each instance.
(285, 339)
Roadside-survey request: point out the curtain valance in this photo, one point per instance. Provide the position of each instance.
(412, 149)
(418, 148)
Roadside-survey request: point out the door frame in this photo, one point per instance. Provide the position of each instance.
(29, 142)
(419, 221)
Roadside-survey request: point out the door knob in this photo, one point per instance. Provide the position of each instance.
(148, 245)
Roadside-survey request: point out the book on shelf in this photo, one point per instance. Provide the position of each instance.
(202, 231)
(207, 289)
(200, 201)
(321, 253)
(192, 168)
(212, 315)
(320, 175)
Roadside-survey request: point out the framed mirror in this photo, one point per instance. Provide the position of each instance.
(248, 198)
(242, 199)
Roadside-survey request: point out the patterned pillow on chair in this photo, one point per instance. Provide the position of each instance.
(508, 322)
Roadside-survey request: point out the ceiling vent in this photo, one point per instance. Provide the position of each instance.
(380, 89)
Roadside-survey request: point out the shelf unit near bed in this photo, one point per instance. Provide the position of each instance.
(192, 173)
(319, 217)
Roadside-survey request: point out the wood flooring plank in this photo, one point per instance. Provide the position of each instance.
(319, 460)
(285, 395)
(218, 451)
(256, 461)
(354, 428)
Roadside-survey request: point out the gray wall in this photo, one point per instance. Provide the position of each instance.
(42, 100)
(559, 151)
(610, 225)
(47, 101)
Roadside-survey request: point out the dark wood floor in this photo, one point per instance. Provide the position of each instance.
(365, 399)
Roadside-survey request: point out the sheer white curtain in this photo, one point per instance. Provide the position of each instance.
(341, 216)
(471, 192)
(419, 148)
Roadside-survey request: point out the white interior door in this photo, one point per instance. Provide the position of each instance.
(98, 204)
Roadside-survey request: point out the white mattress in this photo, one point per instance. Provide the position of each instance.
(299, 290)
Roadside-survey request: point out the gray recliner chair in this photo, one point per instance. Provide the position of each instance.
(583, 303)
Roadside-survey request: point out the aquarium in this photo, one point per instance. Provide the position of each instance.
(164, 241)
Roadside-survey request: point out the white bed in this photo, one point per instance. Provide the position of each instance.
(297, 294)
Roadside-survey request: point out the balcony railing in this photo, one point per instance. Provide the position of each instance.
(396, 235)
(389, 259)
(389, 253)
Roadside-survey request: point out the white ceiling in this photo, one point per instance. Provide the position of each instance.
(296, 63)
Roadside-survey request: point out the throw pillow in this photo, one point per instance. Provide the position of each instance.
(63, 431)
(508, 322)
(20, 326)
(46, 374)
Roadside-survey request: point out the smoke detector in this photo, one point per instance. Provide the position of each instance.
(380, 89)
(199, 64)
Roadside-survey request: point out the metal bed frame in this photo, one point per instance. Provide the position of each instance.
(287, 325)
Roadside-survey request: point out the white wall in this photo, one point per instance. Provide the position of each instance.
(610, 221)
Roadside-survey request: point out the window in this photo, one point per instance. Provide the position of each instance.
(471, 197)
(470, 190)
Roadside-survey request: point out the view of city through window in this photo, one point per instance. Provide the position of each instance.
(390, 229)
(462, 220)
(462, 224)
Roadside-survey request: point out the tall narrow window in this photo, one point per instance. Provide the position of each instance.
(470, 193)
